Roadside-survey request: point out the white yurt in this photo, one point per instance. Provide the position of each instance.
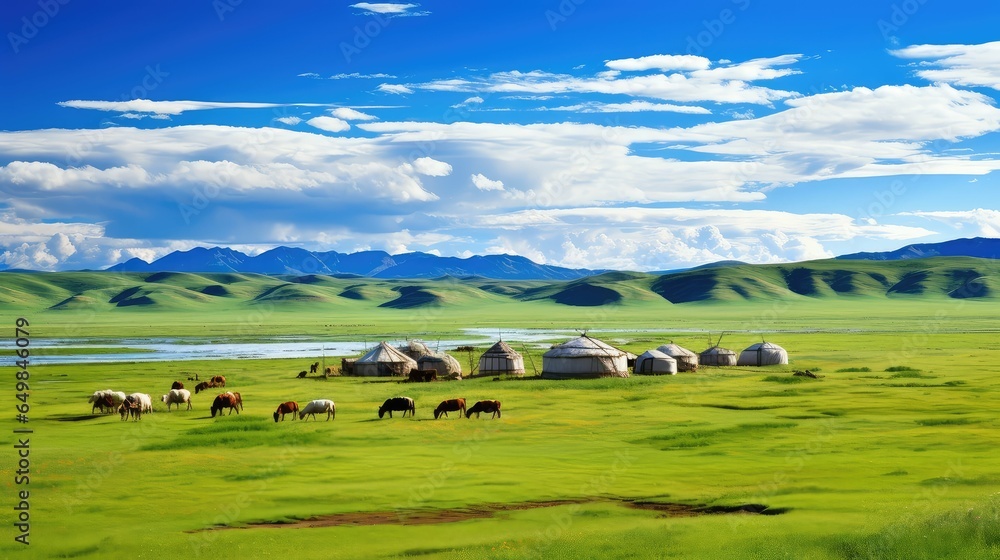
(446, 366)
(415, 349)
(717, 356)
(501, 359)
(584, 357)
(654, 362)
(686, 359)
(763, 354)
(384, 361)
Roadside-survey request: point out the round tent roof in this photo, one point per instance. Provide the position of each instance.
(384, 353)
(686, 359)
(763, 354)
(446, 365)
(415, 349)
(584, 357)
(384, 360)
(717, 356)
(501, 359)
(656, 363)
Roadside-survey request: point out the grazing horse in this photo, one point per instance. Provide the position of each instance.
(485, 406)
(450, 405)
(314, 368)
(397, 403)
(131, 406)
(203, 386)
(301, 375)
(177, 396)
(176, 385)
(321, 406)
(219, 381)
(290, 407)
(105, 403)
(225, 400)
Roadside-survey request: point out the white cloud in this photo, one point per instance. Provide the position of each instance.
(329, 124)
(394, 88)
(980, 221)
(662, 62)
(291, 121)
(485, 184)
(357, 75)
(475, 100)
(389, 9)
(431, 167)
(963, 65)
(348, 114)
(308, 75)
(630, 107)
(723, 84)
(173, 107)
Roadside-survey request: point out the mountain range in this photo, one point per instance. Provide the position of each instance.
(371, 264)
(981, 247)
(380, 264)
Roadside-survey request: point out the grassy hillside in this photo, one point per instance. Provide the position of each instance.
(744, 297)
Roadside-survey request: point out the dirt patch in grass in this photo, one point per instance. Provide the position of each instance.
(482, 511)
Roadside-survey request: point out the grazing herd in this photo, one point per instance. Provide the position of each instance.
(135, 405)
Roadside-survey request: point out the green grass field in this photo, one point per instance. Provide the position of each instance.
(892, 456)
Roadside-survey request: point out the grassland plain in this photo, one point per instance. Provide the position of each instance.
(862, 464)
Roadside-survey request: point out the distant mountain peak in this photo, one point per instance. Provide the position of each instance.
(375, 264)
(981, 247)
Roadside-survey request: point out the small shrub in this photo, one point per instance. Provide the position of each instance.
(901, 368)
(854, 370)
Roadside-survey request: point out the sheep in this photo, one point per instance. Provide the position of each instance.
(321, 406)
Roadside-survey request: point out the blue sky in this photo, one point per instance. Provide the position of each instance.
(580, 133)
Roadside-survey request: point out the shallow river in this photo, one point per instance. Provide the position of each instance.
(79, 351)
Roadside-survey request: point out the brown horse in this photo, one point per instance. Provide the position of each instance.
(484, 406)
(225, 400)
(290, 407)
(176, 385)
(314, 368)
(203, 386)
(450, 405)
(219, 380)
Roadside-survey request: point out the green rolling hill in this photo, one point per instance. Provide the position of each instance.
(945, 278)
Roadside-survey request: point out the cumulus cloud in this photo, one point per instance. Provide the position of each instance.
(661, 62)
(329, 124)
(431, 167)
(348, 114)
(962, 65)
(485, 184)
(475, 100)
(394, 89)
